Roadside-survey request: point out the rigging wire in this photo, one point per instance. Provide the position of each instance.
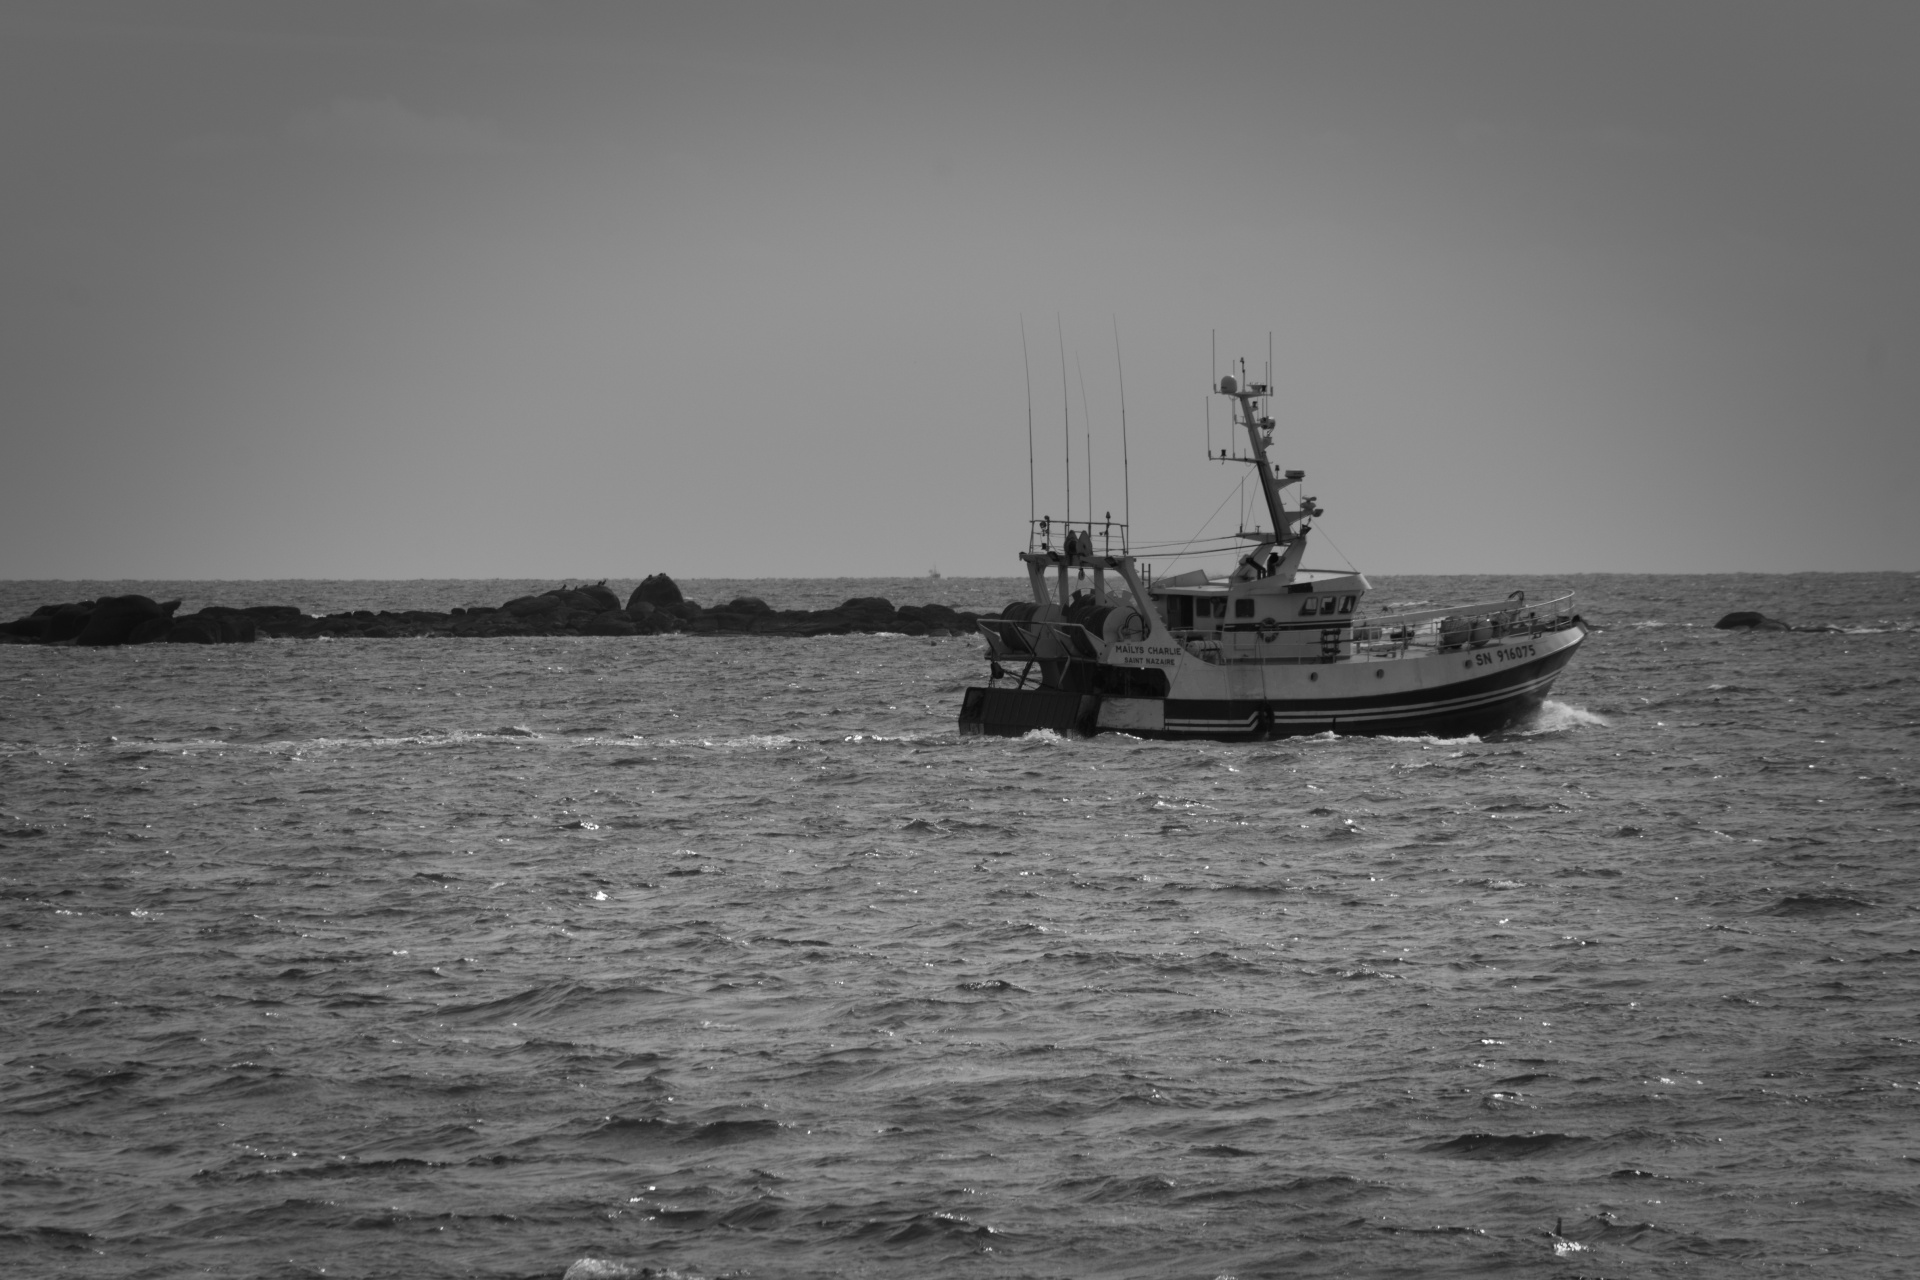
(1203, 526)
(1336, 549)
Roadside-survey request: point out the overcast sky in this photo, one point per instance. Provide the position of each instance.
(449, 288)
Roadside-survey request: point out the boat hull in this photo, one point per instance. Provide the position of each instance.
(1452, 694)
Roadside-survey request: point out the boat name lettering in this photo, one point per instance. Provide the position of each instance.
(1487, 657)
(1152, 655)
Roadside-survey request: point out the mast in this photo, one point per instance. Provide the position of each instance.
(1257, 428)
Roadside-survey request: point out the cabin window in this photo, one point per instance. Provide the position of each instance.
(1220, 606)
(1243, 608)
(1309, 606)
(1346, 604)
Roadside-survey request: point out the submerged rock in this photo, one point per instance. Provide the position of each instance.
(1749, 621)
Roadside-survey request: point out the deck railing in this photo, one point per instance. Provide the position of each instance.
(1101, 537)
(1388, 634)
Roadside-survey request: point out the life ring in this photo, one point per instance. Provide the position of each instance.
(1269, 630)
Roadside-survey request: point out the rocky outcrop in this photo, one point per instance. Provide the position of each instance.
(598, 594)
(655, 607)
(533, 606)
(656, 589)
(113, 619)
(67, 621)
(151, 630)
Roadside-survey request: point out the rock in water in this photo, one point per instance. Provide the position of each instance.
(67, 621)
(195, 630)
(1746, 620)
(33, 627)
(602, 597)
(238, 628)
(614, 622)
(150, 631)
(656, 589)
(114, 618)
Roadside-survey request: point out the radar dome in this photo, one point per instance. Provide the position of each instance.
(1228, 386)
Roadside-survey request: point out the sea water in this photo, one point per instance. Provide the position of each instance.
(729, 956)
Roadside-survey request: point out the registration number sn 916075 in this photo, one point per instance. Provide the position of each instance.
(1515, 653)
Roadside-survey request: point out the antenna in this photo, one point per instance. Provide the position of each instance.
(1126, 478)
(1213, 381)
(1026, 363)
(1066, 415)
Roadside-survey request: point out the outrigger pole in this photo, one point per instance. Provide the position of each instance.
(1086, 424)
(1126, 476)
(1026, 363)
(1066, 414)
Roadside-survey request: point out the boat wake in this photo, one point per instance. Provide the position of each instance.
(1558, 717)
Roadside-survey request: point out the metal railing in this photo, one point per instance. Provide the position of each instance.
(1382, 635)
(1099, 537)
(1390, 635)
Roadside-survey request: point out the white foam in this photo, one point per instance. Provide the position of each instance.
(1557, 717)
(1041, 735)
(751, 741)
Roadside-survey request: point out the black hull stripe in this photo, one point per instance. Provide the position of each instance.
(1465, 694)
(1470, 706)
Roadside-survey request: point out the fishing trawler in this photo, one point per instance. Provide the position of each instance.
(1268, 648)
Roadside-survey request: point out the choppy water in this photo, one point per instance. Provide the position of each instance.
(474, 958)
